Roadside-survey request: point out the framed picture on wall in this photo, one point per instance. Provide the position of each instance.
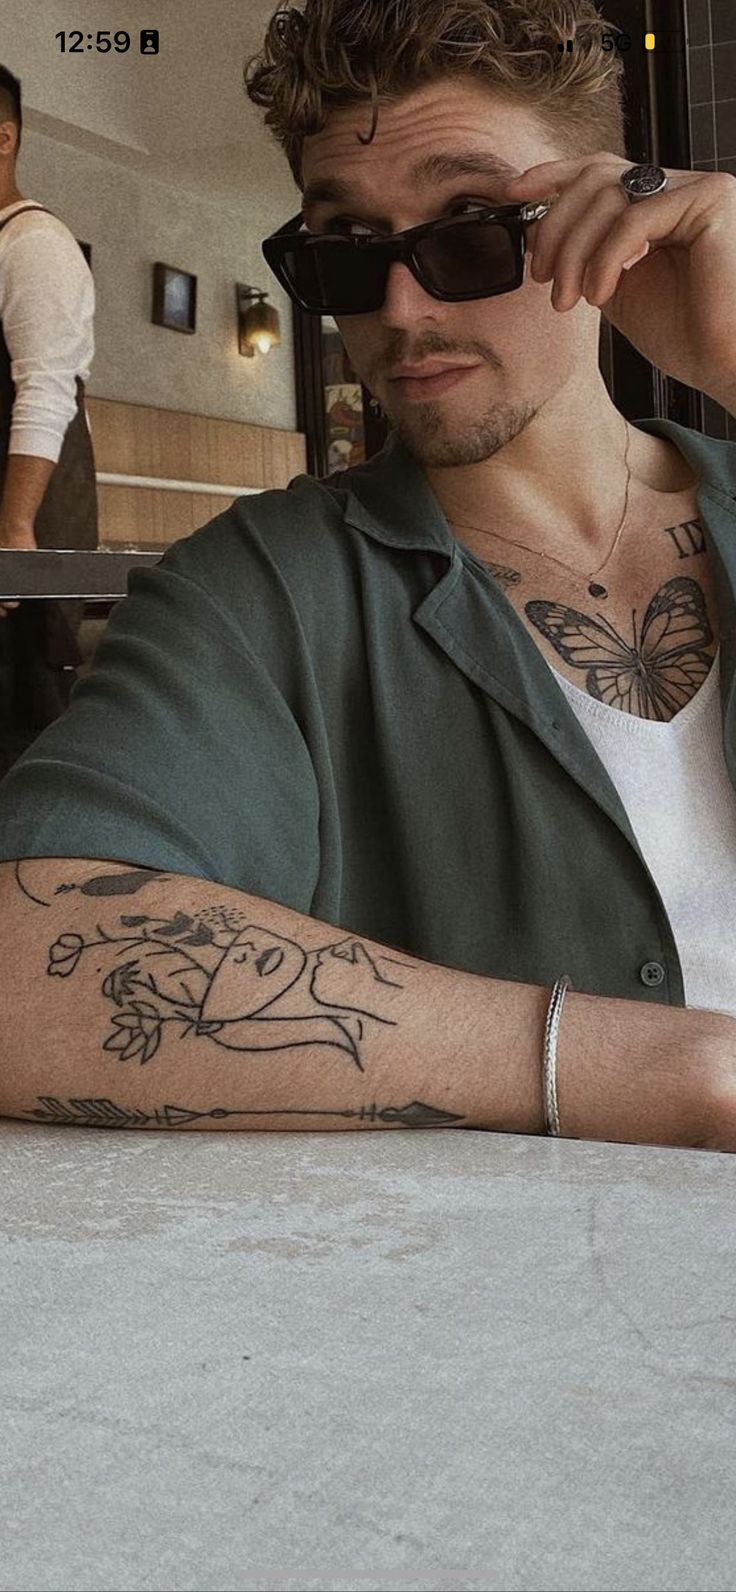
(343, 423)
(174, 298)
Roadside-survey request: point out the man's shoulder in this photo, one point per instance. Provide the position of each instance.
(712, 458)
(31, 214)
(35, 233)
(717, 456)
(307, 508)
(335, 533)
(293, 535)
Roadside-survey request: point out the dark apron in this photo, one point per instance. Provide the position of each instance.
(38, 639)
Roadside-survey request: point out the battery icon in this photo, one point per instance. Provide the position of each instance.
(149, 41)
(669, 41)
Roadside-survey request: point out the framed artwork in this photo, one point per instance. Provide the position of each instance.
(174, 298)
(343, 423)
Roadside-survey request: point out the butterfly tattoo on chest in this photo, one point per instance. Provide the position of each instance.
(656, 676)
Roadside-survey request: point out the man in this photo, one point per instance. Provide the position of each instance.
(47, 473)
(327, 708)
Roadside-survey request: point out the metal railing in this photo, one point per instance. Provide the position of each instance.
(163, 484)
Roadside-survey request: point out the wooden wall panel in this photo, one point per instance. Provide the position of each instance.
(142, 517)
(138, 439)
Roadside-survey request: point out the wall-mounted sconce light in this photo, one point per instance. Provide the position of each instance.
(259, 329)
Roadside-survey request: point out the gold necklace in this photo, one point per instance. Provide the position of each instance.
(594, 588)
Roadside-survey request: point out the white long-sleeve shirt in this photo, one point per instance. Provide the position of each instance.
(47, 306)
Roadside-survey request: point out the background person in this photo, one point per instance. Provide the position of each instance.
(48, 494)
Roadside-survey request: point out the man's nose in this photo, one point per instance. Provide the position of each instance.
(405, 297)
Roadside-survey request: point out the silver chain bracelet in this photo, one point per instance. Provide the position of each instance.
(549, 1071)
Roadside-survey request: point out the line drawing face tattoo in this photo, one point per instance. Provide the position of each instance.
(234, 982)
(240, 971)
(655, 677)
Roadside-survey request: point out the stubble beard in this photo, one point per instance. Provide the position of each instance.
(441, 439)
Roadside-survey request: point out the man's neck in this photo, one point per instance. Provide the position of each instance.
(558, 482)
(10, 196)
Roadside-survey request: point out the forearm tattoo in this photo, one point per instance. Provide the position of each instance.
(220, 978)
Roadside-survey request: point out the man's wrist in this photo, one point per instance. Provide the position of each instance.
(16, 531)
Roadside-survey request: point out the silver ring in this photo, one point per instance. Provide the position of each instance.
(641, 182)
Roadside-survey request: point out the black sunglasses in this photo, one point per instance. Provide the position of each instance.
(454, 258)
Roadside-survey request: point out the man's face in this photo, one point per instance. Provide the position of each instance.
(527, 349)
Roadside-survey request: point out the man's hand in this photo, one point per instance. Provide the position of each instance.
(16, 534)
(676, 305)
(641, 1072)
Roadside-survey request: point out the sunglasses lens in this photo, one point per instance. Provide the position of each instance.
(330, 273)
(478, 258)
(466, 259)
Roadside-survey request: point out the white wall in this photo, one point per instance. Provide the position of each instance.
(161, 158)
(130, 221)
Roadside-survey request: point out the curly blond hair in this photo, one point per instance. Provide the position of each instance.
(350, 52)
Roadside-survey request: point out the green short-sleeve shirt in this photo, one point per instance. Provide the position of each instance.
(323, 698)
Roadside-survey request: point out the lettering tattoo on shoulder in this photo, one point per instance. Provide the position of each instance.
(232, 983)
(505, 576)
(692, 532)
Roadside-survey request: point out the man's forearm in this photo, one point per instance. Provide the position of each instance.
(135, 999)
(26, 479)
(132, 998)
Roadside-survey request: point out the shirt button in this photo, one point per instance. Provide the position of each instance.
(651, 973)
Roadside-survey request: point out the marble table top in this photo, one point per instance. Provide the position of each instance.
(433, 1359)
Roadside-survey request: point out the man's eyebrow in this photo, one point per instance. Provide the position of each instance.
(430, 169)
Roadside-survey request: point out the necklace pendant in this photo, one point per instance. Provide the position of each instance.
(597, 591)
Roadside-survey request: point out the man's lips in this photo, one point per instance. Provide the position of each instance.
(432, 367)
(432, 386)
